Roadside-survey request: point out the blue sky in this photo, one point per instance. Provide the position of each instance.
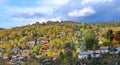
(22, 12)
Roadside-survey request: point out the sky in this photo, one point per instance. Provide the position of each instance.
(23, 12)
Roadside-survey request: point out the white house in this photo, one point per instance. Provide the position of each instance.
(104, 49)
(32, 42)
(94, 53)
(41, 41)
(100, 42)
(84, 55)
(89, 54)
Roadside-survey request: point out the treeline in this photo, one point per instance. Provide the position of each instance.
(106, 24)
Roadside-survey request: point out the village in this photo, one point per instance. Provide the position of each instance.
(20, 55)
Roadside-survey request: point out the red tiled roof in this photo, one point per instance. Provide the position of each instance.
(54, 57)
(43, 41)
(31, 40)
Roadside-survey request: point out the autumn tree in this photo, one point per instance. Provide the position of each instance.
(116, 38)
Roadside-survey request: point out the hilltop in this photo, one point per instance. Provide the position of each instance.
(2, 28)
(52, 28)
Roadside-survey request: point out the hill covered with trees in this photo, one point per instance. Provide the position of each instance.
(65, 39)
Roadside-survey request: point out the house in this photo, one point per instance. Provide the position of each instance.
(89, 54)
(54, 57)
(14, 50)
(44, 49)
(38, 56)
(47, 61)
(66, 49)
(100, 42)
(94, 53)
(118, 49)
(104, 49)
(84, 55)
(59, 33)
(14, 56)
(97, 37)
(26, 56)
(5, 56)
(1, 49)
(32, 42)
(41, 37)
(43, 41)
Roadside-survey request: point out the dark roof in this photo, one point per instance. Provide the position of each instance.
(104, 48)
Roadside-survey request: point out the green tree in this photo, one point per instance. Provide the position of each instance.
(90, 39)
(61, 56)
(109, 36)
(36, 49)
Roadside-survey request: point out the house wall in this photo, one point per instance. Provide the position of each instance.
(82, 56)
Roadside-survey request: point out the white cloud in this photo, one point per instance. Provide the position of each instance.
(84, 2)
(30, 10)
(82, 12)
(46, 7)
(53, 2)
(33, 20)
